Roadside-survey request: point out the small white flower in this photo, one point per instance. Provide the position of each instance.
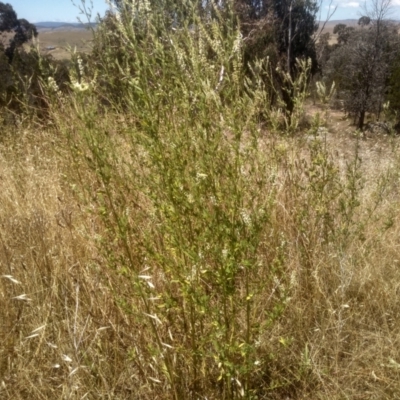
(80, 67)
(144, 6)
(80, 87)
(190, 198)
(237, 45)
(200, 176)
(52, 84)
(245, 217)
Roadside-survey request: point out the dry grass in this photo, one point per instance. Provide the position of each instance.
(67, 331)
(176, 249)
(56, 311)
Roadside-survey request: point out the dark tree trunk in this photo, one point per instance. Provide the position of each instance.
(361, 119)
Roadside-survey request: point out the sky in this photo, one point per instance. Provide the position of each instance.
(353, 9)
(65, 11)
(54, 10)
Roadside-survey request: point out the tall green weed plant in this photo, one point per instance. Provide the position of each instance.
(186, 218)
(188, 193)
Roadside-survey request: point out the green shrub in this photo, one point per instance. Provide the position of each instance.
(190, 231)
(21, 87)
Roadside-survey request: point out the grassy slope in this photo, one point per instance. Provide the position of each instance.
(338, 337)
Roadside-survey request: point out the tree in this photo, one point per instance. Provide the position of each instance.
(343, 33)
(393, 95)
(364, 21)
(283, 31)
(257, 27)
(20, 29)
(360, 65)
(22, 73)
(323, 50)
(295, 26)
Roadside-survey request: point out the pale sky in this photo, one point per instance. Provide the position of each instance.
(54, 10)
(353, 9)
(65, 11)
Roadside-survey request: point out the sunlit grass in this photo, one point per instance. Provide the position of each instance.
(184, 242)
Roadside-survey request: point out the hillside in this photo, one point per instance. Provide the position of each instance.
(62, 25)
(178, 222)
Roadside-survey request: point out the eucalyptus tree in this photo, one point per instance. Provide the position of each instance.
(343, 33)
(283, 31)
(360, 65)
(20, 30)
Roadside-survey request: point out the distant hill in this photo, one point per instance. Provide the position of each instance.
(330, 25)
(52, 25)
(72, 26)
(348, 22)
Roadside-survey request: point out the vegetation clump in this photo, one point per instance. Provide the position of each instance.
(169, 230)
(363, 64)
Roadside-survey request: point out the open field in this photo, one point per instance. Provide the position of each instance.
(61, 39)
